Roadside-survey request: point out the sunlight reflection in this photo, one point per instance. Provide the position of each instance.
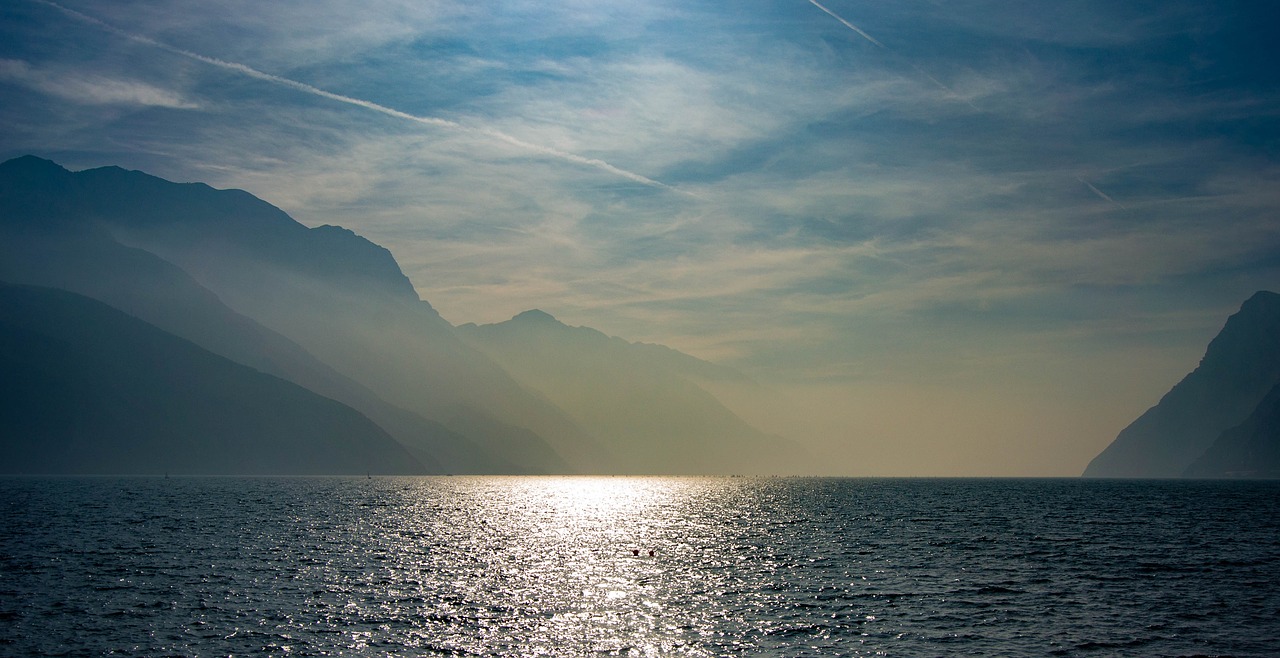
(579, 564)
(599, 498)
(593, 560)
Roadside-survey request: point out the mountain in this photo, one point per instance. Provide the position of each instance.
(1250, 449)
(641, 398)
(90, 389)
(71, 248)
(39, 194)
(331, 314)
(337, 298)
(1239, 369)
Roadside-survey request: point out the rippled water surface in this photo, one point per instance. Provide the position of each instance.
(562, 566)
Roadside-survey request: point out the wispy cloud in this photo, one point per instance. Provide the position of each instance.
(91, 89)
(947, 90)
(368, 105)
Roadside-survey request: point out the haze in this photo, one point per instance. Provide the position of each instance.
(964, 238)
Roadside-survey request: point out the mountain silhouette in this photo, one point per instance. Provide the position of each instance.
(90, 389)
(36, 193)
(328, 313)
(340, 298)
(641, 397)
(81, 255)
(1250, 449)
(1239, 369)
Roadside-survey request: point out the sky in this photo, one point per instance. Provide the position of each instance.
(960, 238)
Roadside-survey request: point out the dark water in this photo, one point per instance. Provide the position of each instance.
(545, 567)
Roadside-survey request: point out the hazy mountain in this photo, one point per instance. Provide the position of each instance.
(1239, 369)
(1251, 449)
(642, 398)
(331, 312)
(73, 249)
(39, 194)
(397, 347)
(360, 319)
(337, 298)
(90, 389)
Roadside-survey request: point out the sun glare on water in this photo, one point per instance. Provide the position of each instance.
(580, 561)
(599, 499)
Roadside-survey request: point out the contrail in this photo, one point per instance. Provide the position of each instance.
(1102, 195)
(937, 83)
(368, 105)
(847, 24)
(945, 89)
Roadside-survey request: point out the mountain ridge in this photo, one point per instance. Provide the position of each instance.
(247, 275)
(603, 383)
(1248, 450)
(90, 389)
(132, 202)
(323, 309)
(1240, 366)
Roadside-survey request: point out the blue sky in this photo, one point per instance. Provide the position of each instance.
(970, 237)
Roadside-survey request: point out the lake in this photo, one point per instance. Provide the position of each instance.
(552, 566)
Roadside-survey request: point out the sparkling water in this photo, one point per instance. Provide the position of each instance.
(526, 566)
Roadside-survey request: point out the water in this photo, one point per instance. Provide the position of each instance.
(548, 567)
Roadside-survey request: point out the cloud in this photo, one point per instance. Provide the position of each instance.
(90, 89)
(370, 105)
(282, 35)
(1073, 24)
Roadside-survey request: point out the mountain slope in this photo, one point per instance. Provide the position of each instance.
(331, 312)
(1239, 368)
(40, 194)
(1250, 449)
(75, 252)
(89, 389)
(337, 297)
(639, 398)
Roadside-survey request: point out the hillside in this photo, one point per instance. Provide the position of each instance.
(1250, 449)
(1239, 368)
(89, 389)
(639, 397)
(331, 313)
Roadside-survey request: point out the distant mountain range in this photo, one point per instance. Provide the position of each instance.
(1222, 419)
(90, 389)
(148, 326)
(644, 396)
